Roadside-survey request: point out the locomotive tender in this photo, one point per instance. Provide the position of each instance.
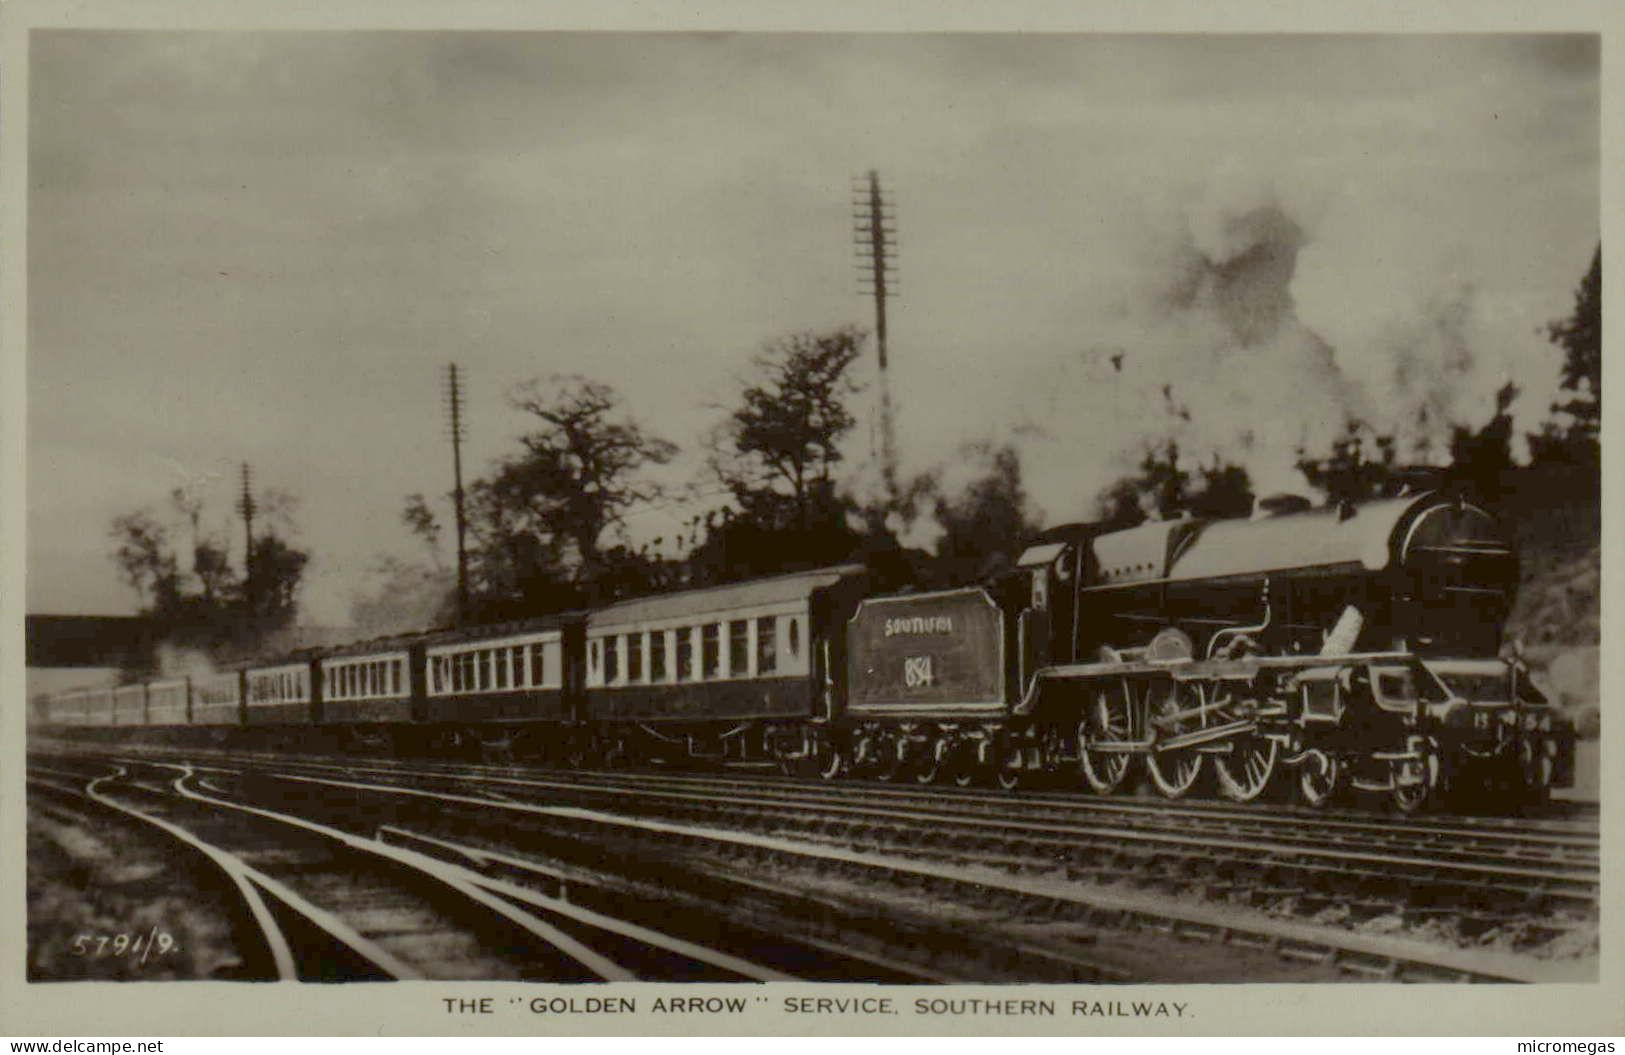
(1354, 646)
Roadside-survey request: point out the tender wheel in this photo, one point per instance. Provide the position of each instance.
(935, 767)
(889, 767)
(1175, 772)
(1320, 779)
(1107, 718)
(831, 762)
(1010, 774)
(1246, 772)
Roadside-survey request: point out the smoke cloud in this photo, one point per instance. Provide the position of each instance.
(1210, 347)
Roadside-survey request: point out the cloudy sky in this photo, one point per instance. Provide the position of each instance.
(264, 247)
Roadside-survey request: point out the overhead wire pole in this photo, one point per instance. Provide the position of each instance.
(246, 507)
(874, 238)
(454, 407)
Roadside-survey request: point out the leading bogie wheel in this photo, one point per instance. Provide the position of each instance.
(1413, 781)
(1320, 779)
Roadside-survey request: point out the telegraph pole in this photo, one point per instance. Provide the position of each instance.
(454, 407)
(245, 506)
(874, 237)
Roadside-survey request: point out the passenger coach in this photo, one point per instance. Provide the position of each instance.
(707, 673)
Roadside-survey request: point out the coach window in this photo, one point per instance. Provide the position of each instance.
(500, 661)
(793, 642)
(612, 659)
(634, 656)
(657, 656)
(739, 648)
(538, 664)
(711, 650)
(767, 653)
(685, 653)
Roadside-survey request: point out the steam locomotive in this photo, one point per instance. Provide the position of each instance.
(1338, 648)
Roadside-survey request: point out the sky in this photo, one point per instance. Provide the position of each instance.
(264, 247)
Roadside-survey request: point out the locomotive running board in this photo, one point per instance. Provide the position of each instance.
(1242, 669)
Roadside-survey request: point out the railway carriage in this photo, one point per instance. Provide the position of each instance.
(507, 690)
(365, 686)
(80, 708)
(130, 705)
(168, 701)
(217, 699)
(745, 671)
(280, 694)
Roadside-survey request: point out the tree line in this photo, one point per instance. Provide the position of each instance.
(547, 523)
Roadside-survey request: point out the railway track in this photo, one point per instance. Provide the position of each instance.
(1497, 880)
(404, 902)
(1037, 887)
(329, 905)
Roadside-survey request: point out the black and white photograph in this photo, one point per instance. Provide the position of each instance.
(1083, 514)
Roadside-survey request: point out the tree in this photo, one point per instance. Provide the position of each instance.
(539, 519)
(212, 609)
(421, 521)
(1481, 459)
(779, 447)
(777, 453)
(145, 559)
(1576, 441)
(272, 587)
(987, 523)
(1164, 488)
(1580, 337)
(1360, 465)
